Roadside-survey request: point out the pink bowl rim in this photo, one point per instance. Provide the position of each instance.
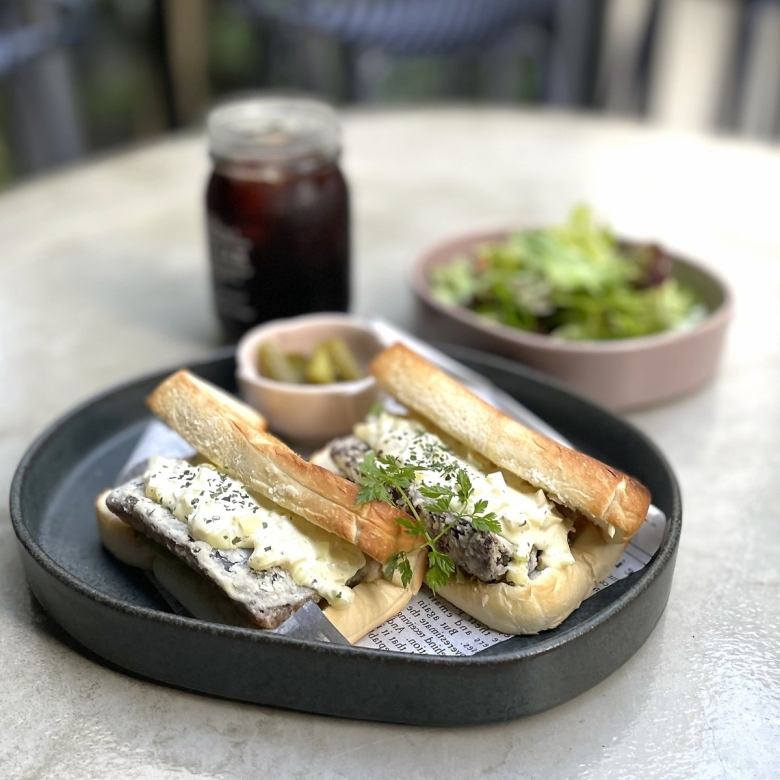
(247, 371)
(457, 244)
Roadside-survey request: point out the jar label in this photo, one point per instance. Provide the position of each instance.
(232, 268)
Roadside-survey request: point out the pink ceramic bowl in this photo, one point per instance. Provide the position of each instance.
(308, 414)
(622, 374)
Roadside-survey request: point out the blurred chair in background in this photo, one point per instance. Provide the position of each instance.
(694, 64)
(758, 107)
(43, 124)
(558, 38)
(78, 76)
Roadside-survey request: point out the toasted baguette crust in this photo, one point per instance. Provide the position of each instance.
(606, 496)
(269, 467)
(548, 599)
(219, 403)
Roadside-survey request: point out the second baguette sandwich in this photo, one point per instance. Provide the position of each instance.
(518, 529)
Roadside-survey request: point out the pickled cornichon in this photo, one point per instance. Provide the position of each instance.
(330, 361)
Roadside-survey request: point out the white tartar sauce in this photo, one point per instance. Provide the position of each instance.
(528, 519)
(218, 510)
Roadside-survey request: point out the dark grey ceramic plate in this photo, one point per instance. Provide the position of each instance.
(111, 609)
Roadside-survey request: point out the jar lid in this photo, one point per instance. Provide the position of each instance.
(273, 129)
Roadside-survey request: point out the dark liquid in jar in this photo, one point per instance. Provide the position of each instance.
(279, 242)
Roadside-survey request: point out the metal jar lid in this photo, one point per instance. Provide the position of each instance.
(273, 129)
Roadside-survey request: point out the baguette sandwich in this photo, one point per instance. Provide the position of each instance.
(517, 528)
(261, 530)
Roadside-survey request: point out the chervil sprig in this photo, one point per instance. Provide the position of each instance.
(380, 476)
(399, 561)
(384, 478)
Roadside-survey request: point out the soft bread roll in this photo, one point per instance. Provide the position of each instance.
(606, 496)
(548, 599)
(376, 602)
(373, 603)
(122, 540)
(265, 465)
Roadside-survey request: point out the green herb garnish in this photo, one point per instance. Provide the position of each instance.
(376, 408)
(383, 478)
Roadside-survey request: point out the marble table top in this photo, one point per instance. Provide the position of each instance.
(103, 276)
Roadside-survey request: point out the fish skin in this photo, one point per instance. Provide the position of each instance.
(481, 554)
(268, 597)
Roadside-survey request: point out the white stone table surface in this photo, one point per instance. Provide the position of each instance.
(103, 276)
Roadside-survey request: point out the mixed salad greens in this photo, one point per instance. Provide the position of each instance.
(575, 282)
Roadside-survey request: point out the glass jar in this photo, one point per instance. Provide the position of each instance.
(278, 211)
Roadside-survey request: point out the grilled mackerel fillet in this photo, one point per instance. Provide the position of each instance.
(267, 597)
(481, 554)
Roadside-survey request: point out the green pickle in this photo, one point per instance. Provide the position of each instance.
(343, 360)
(275, 365)
(298, 362)
(331, 361)
(319, 370)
